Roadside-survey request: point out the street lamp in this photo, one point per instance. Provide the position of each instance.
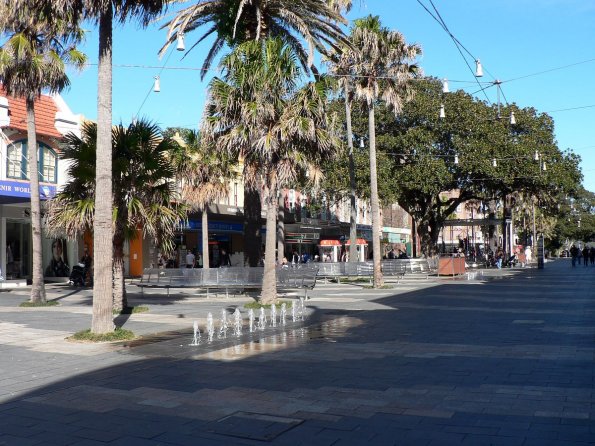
(181, 46)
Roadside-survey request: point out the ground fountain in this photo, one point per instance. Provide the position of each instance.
(262, 319)
(237, 323)
(223, 324)
(283, 314)
(196, 337)
(273, 315)
(256, 322)
(251, 320)
(210, 327)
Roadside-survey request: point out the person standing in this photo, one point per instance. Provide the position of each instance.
(190, 259)
(199, 260)
(528, 255)
(586, 255)
(574, 253)
(225, 259)
(592, 255)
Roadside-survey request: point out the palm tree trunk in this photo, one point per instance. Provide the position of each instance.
(252, 225)
(374, 201)
(280, 229)
(102, 232)
(120, 300)
(353, 198)
(269, 280)
(205, 238)
(37, 288)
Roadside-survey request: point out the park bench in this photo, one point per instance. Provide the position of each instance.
(339, 270)
(229, 279)
(297, 277)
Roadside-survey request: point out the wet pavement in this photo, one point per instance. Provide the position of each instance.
(505, 357)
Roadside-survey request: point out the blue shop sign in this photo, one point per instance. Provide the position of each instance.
(216, 226)
(23, 190)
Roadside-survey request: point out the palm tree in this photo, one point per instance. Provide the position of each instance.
(103, 12)
(236, 21)
(381, 65)
(258, 114)
(144, 191)
(33, 59)
(204, 178)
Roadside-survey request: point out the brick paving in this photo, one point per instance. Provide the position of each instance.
(504, 359)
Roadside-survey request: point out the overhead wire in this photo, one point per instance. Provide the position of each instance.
(455, 41)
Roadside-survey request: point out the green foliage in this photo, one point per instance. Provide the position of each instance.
(132, 310)
(47, 303)
(144, 193)
(258, 305)
(119, 334)
(416, 152)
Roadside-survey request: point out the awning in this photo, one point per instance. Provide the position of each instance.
(359, 241)
(330, 243)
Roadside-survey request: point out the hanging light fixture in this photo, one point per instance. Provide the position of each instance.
(361, 143)
(456, 159)
(445, 86)
(512, 118)
(494, 163)
(536, 157)
(478, 68)
(156, 85)
(442, 112)
(181, 46)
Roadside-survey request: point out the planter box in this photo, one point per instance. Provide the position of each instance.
(451, 266)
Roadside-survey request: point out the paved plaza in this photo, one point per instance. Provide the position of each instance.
(499, 358)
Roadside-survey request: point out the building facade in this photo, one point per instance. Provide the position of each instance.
(54, 119)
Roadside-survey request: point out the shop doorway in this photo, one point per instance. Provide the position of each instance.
(18, 249)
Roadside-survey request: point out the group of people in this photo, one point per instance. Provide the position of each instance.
(585, 256)
(399, 254)
(195, 260)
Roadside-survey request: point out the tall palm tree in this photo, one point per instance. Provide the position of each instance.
(103, 12)
(204, 177)
(258, 113)
(33, 59)
(381, 66)
(144, 191)
(235, 21)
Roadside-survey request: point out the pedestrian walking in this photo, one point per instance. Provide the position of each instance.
(586, 255)
(574, 254)
(592, 255)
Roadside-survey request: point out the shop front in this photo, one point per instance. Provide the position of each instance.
(225, 236)
(303, 240)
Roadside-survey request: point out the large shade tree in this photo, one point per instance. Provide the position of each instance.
(422, 156)
(258, 113)
(33, 59)
(145, 194)
(381, 65)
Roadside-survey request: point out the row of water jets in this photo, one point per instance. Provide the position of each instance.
(254, 323)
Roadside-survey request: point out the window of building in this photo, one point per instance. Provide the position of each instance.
(16, 163)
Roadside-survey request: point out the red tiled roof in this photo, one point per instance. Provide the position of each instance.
(45, 114)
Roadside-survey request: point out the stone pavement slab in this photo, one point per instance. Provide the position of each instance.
(503, 358)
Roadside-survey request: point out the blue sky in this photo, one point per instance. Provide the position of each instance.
(513, 38)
